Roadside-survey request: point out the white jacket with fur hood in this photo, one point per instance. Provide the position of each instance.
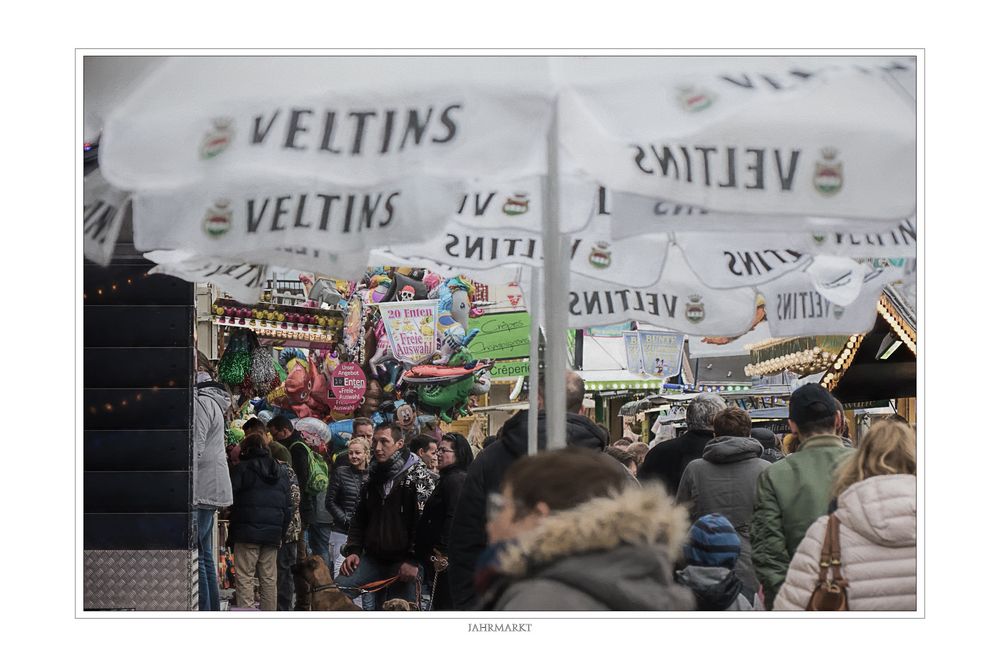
(878, 545)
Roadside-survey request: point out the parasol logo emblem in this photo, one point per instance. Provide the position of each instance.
(828, 178)
(820, 239)
(695, 310)
(218, 138)
(695, 98)
(516, 204)
(218, 218)
(600, 255)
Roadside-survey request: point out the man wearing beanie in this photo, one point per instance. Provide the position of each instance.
(795, 491)
(711, 552)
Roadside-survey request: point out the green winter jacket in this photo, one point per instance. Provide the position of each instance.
(791, 494)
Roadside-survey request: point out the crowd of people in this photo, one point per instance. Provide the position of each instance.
(723, 517)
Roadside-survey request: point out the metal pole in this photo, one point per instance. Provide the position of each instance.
(556, 276)
(578, 350)
(533, 366)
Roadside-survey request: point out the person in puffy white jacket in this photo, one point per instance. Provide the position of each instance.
(876, 502)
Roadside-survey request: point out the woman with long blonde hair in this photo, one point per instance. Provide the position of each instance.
(875, 491)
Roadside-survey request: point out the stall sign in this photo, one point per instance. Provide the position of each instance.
(661, 352)
(346, 389)
(412, 329)
(511, 369)
(502, 336)
(633, 353)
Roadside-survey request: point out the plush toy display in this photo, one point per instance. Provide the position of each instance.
(406, 417)
(296, 383)
(373, 396)
(453, 322)
(378, 287)
(404, 288)
(431, 281)
(382, 364)
(304, 390)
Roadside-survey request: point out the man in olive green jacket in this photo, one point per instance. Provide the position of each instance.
(795, 491)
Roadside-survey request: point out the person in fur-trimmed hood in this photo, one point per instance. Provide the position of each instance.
(572, 532)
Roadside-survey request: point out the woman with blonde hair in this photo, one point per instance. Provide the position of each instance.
(875, 494)
(343, 493)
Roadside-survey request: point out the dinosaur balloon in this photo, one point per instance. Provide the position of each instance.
(446, 389)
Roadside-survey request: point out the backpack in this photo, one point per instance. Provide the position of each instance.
(319, 473)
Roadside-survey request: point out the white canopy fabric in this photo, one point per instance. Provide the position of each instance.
(455, 145)
(204, 144)
(771, 137)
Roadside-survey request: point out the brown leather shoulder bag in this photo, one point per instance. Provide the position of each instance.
(830, 593)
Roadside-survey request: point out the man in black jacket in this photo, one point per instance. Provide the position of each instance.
(468, 531)
(382, 534)
(666, 461)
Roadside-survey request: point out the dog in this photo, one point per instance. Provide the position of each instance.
(329, 597)
(399, 604)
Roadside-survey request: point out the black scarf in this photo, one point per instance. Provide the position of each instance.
(383, 472)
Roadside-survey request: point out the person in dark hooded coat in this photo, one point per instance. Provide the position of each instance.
(262, 511)
(724, 481)
(468, 532)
